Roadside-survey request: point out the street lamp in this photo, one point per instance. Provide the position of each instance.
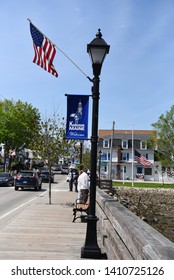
(97, 50)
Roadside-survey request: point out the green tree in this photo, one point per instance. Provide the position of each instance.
(86, 158)
(51, 144)
(19, 124)
(165, 136)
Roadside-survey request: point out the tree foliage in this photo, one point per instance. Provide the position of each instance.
(50, 144)
(21, 127)
(19, 124)
(165, 136)
(86, 158)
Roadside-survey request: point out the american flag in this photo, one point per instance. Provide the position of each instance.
(13, 153)
(141, 159)
(44, 51)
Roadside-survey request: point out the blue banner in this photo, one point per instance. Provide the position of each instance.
(77, 117)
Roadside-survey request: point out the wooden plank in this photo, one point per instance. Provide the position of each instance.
(44, 231)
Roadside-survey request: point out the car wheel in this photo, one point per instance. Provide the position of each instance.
(16, 188)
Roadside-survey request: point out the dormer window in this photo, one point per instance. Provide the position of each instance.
(143, 145)
(105, 143)
(124, 144)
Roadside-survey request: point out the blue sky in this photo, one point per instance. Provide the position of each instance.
(137, 81)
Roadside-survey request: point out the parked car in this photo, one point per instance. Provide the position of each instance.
(28, 179)
(65, 170)
(56, 167)
(44, 175)
(6, 179)
(43, 168)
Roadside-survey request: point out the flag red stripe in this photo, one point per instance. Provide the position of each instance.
(141, 159)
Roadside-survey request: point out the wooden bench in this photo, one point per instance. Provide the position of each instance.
(81, 206)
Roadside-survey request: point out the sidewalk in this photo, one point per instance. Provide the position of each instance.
(44, 231)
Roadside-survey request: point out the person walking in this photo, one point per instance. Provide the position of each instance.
(76, 180)
(71, 180)
(83, 186)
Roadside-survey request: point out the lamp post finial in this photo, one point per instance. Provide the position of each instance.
(99, 35)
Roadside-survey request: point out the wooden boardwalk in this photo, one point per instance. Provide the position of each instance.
(44, 231)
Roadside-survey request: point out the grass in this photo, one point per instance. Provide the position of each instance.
(143, 185)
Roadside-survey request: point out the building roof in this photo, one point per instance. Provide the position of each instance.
(125, 134)
(105, 132)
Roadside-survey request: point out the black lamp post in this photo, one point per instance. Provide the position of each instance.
(81, 151)
(97, 50)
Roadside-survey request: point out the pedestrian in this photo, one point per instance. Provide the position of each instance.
(83, 186)
(89, 173)
(76, 180)
(71, 180)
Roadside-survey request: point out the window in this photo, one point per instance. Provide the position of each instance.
(143, 145)
(163, 169)
(103, 156)
(147, 171)
(139, 170)
(145, 155)
(106, 144)
(124, 169)
(125, 156)
(124, 144)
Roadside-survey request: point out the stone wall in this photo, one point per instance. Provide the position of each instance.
(154, 206)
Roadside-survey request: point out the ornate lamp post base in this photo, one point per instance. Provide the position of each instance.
(91, 250)
(90, 253)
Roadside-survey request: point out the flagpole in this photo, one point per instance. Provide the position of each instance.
(132, 157)
(111, 150)
(74, 64)
(123, 174)
(62, 52)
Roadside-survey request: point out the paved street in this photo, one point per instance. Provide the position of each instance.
(41, 230)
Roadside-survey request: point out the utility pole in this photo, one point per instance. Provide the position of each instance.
(111, 149)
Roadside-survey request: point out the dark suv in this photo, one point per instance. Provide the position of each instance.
(46, 176)
(26, 179)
